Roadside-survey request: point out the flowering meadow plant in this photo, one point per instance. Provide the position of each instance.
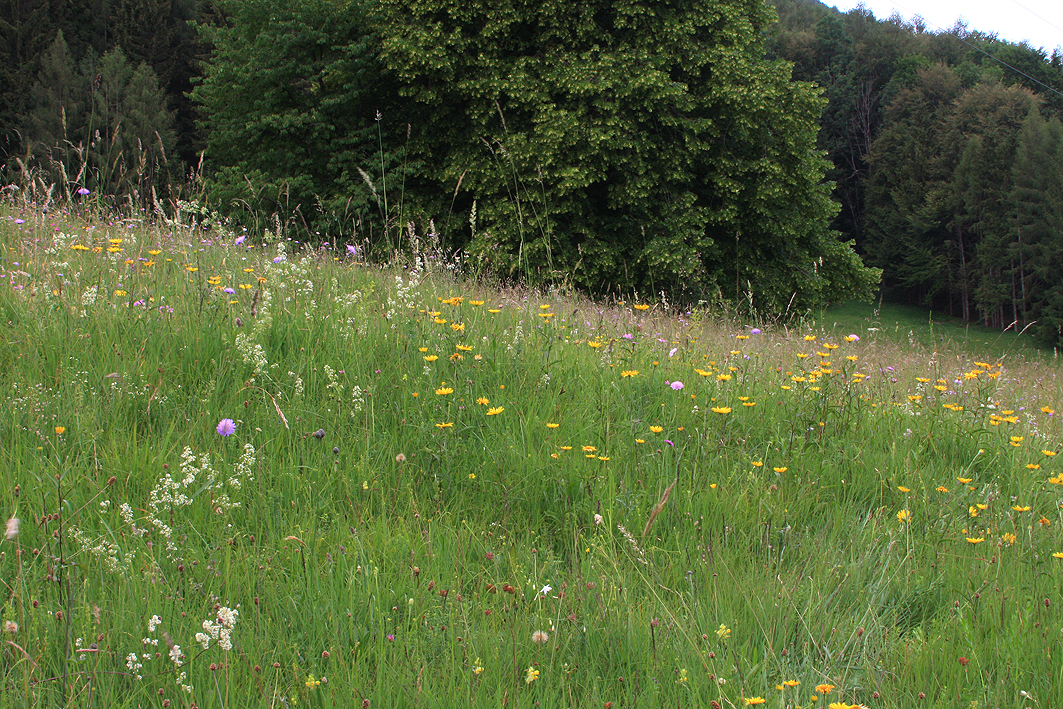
(242, 466)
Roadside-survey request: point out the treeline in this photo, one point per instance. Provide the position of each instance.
(95, 94)
(651, 145)
(948, 158)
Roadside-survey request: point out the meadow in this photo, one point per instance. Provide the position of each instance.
(238, 471)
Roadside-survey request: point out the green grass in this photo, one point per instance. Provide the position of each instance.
(910, 324)
(426, 471)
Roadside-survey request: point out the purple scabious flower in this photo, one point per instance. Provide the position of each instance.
(676, 385)
(239, 240)
(84, 191)
(226, 427)
(230, 291)
(352, 249)
(755, 331)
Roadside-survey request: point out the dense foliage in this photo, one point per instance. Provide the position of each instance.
(625, 144)
(947, 159)
(617, 144)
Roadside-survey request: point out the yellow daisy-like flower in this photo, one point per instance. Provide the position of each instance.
(1049, 453)
(443, 391)
(942, 488)
(1008, 538)
(495, 411)
(792, 683)
(154, 252)
(629, 373)
(595, 343)
(463, 348)
(190, 269)
(60, 430)
(975, 540)
(641, 306)
(1021, 508)
(566, 448)
(780, 470)
(904, 516)
(552, 425)
(531, 675)
(444, 425)
(483, 401)
(721, 409)
(639, 440)
(589, 449)
(1033, 466)
(723, 377)
(458, 327)
(824, 688)
(439, 321)
(810, 338)
(758, 464)
(1058, 554)
(902, 488)
(476, 302)
(494, 310)
(656, 429)
(546, 316)
(603, 458)
(753, 701)
(430, 358)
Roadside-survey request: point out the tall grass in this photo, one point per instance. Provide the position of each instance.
(442, 493)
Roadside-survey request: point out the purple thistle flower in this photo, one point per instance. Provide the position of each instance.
(226, 427)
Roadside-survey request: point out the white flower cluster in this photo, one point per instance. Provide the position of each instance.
(357, 399)
(252, 352)
(220, 629)
(299, 388)
(105, 550)
(243, 470)
(333, 382)
(89, 296)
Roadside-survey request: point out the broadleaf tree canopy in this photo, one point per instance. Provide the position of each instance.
(624, 143)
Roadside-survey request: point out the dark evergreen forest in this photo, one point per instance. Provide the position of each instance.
(714, 150)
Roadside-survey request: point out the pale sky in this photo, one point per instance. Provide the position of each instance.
(1039, 22)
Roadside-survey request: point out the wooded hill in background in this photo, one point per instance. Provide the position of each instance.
(650, 145)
